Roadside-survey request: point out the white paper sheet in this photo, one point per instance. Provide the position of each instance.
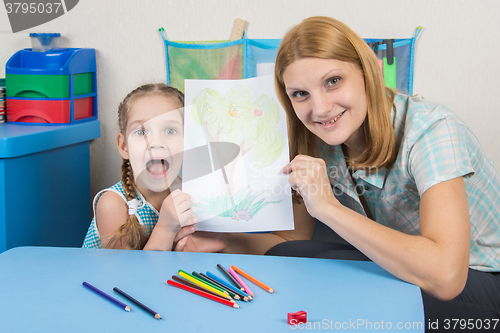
(248, 193)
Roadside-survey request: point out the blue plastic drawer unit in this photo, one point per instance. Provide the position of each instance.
(57, 86)
(45, 184)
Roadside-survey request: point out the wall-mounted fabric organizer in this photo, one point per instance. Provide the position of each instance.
(246, 58)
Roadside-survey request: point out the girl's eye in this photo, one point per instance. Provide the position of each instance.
(332, 81)
(140, 132)
(171, 131)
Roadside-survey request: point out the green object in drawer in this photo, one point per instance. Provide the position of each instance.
(82, 83)
(37, 86)
(47, 86)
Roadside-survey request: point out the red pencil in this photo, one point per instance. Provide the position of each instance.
(192, 285)
(202, 293)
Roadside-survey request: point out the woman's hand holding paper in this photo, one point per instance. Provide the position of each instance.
(308, 176)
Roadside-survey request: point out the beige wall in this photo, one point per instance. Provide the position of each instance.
(456, 60)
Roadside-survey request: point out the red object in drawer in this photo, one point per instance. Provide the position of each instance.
(47, 111)
(83, 108)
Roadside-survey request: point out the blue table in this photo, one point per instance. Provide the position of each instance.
(41, 291)
(45, 183)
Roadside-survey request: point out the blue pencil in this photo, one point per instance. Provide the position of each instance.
(106, 296)
(227, 285)
(124, 294)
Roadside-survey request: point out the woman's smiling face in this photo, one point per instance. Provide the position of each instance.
(154, 141)
(329, 98)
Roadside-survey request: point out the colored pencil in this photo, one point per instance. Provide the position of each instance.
(136, 302)
(194, 280)
(230, 277)
(232, 292)
(106, 296)
(232, 288)
(254, 280)
(192, 285)
(240, 281)
(202, 293)
(210, 283)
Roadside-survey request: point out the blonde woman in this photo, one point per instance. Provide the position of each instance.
(411, 187)
(403, 181)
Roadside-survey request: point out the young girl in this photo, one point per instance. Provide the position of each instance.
(146, 209)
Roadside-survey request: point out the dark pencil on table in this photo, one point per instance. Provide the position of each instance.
(106, 296)
(230, 277)
(242, 294)
(203, 294)
(192, 285)
(210, 283)
(136, 302)
(231, 292)
(238, 293)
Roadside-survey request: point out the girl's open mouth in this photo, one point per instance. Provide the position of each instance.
(157, 168)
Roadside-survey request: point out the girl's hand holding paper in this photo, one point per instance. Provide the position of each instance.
(176, 211)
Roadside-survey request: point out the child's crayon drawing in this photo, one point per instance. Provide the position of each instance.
(246, 205)
(246, 113)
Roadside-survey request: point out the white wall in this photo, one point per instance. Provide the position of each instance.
(456, 60)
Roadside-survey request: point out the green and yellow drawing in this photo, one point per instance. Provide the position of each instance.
(250, 121)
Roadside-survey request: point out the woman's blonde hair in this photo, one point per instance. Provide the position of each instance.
(132, 231)
(327, 38)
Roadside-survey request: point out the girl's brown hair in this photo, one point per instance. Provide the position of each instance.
(132, 232)
(327, 38)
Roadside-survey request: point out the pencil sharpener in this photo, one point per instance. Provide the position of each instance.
(297, 317)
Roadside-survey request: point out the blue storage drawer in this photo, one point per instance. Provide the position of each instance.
(45, 184)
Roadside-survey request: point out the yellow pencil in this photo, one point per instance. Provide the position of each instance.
(254, 280)
(194, 280)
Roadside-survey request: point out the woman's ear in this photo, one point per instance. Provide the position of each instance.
(122, 146)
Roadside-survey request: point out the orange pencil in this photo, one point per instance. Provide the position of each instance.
(254, 280)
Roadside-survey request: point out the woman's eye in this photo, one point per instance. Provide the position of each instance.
(171, 131)
(299, 94)
(333, 81)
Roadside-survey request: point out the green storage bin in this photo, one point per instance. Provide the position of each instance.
(47, 86)
(37, 86)
(82, 83)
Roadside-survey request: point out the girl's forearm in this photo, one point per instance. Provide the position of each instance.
(161, 239)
